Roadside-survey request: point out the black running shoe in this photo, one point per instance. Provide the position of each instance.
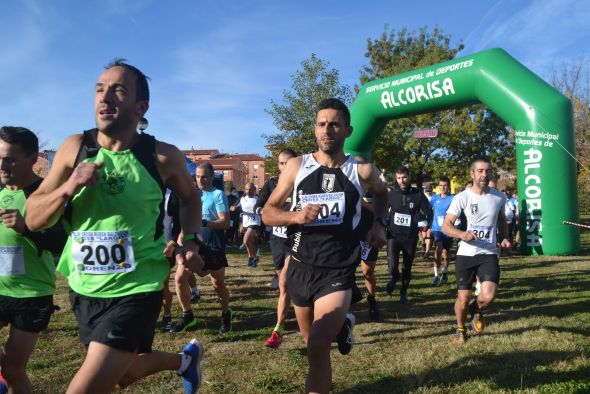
(226, 322)
(373, 308)
(166, 324)
(345, 338)
(184, 324)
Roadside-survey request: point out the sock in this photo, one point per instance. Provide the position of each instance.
(279, 329)
(435, 271)
(185, 361)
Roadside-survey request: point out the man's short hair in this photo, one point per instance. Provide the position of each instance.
(143, 90)
(445, 179)
(289, 152)
(337, 104)
(480, 159)
(207, 167)
(402, 170)
(21, 136)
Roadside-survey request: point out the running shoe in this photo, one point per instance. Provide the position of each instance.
(254, 262)
(274, 341)
(166, 324)
(226, 322)
(478, 324)
(445, 278)
(3, 385)
(403, 298)
(195, 295)
(435, 281)
(250, 262)
(390, 286)
(373, 308)
(274, 283)
(345, 338)
(191, 377)
(460, 335)
(184, 324)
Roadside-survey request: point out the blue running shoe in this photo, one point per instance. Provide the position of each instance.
(444, 279)
(390, 286)
(250, 262)
(403, 298)
(191, 378)
(435, 281)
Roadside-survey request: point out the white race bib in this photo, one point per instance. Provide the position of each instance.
(482, 233)
(249, 219)
(401, 219)
(366, 248)
(332, 207)
(12, 261)
(280, 231)
(102, 252)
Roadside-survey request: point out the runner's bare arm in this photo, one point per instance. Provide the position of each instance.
(175, 176)
(46, 205)
(369, 175)
(273, 213)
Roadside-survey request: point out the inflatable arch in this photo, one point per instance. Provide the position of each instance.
(541, 117)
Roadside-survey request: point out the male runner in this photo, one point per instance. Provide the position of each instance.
(250, 223)
(407, 206)
(109, 185)
(215, 221)
(27, 271)
(326, 187)
(477, 255)
(279, 246)
(442, 243)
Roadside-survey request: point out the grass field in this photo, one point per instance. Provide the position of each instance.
(537, 340)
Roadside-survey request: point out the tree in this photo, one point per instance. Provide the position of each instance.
(573, 81)
(295, 116)
(463, 132)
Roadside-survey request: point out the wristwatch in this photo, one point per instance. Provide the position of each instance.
(196, 237)
(382, 221)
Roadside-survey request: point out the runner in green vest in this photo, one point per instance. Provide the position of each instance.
(27, 277)
(109, 185)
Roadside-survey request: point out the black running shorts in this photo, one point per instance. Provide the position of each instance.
(213, 261)
(485, 266)
(307, 283)
(280, 249)
(125, 323)
(30, 314)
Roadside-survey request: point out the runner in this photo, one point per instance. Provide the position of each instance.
(477, 255)
(250, 223)
(425, 233)
(113, 181)
(215, 221)
(327, 187)
(279, 246)
(369, 257)
(442, 243)
(27, 271)
(407, 206)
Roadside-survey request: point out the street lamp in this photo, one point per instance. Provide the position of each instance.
(142, 124)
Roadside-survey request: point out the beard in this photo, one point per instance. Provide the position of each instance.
(332, 148)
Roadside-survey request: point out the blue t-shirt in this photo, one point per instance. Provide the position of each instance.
(213, 203)
(439, 207)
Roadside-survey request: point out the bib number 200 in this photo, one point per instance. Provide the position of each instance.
(103, 255)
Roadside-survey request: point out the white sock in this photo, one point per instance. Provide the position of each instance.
(185, 361)
(435, 271)
(195, 290)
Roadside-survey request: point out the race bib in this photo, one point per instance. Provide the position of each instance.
(102, 252)
(440, 220)
(366, 248)
(332, 207)
(401, 219)
(12, 261)
(482, 233)
(280, 231)
(250, 219)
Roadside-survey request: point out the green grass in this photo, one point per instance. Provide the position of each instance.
(537, 340)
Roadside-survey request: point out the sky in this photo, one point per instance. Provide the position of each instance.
(215, 66)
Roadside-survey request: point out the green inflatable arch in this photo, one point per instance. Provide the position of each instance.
(540, 115)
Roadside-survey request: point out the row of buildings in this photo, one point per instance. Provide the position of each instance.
(237, 169)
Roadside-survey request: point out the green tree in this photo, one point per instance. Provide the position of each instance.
(463, 132)
(294, 117)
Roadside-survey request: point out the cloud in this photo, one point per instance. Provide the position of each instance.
(537, 34)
